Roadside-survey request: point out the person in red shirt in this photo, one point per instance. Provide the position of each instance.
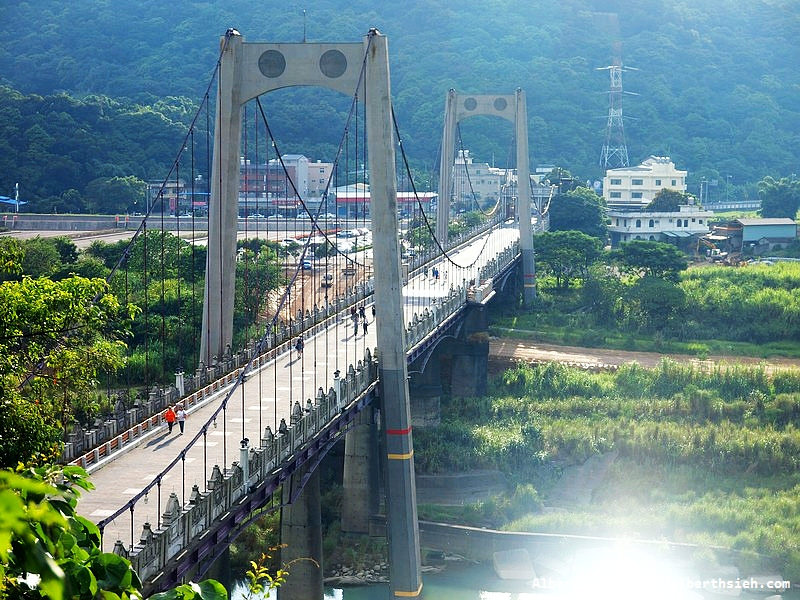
(170, 418)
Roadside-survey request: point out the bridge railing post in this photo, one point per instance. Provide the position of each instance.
(244, 463)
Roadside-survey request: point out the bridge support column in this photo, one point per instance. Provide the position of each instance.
(221, 569)
(426, 393)
(301, 531)
(401, 492)
(223, 207)
(470, 365)
(524, 204)
(360, 481)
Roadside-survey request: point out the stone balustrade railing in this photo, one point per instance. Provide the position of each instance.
(225, 488)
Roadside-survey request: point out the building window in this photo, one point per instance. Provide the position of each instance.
(637, 182)
(616, 182)
(700, 221)
(652, 238)
(636, 195)
(678, 223)
(674, 182)
(652, 223)
(638, 223)
(686, 222)
(615, 194)
(658, 182)
(692, 219)
(617, 223)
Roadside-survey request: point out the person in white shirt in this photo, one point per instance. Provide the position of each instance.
(180, 415)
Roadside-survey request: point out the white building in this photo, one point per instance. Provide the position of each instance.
(318, 175)
(635, 187)
(478, 178)
(678, 228)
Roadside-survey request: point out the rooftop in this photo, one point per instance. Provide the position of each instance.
(776, 221)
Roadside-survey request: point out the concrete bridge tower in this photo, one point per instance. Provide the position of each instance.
(513, 108)
(246, 71)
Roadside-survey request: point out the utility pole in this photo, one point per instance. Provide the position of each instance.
(727, 186)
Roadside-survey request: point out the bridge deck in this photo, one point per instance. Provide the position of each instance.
(265, 399)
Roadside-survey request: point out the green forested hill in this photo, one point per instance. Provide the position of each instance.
(718, 84)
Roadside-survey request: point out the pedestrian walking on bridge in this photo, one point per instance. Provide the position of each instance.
(169, 417)
(180, 415)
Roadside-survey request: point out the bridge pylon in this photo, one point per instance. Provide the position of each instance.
(248, 70)
(513, 108)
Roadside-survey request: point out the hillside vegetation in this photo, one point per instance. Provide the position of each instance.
(716, 81)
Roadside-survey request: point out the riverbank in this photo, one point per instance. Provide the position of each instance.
(504, 352)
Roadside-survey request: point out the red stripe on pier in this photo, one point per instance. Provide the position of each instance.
(398, 431)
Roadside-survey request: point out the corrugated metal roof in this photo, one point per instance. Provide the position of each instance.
(776, 221)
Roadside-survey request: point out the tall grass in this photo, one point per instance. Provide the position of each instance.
(704, 455)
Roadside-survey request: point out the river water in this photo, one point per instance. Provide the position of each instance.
(479, 582)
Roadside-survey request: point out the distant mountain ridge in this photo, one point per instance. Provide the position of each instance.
(718, 86)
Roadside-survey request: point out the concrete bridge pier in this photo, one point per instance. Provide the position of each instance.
(360, 480)
(220, 569)
(425, 389)
(301, 531)
(470, 363)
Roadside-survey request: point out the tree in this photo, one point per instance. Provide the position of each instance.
(41, 258)
(580, 209)
(657, 301)
(565, 180)
(67, 250)
(471, 219)
(56, 338)
(110, 195)
(779, 197)
(42, 535)
(11, 255)
(656, 259)
(566, 254)
(667, 200)
(420, 236)
(48, 551)
(601, 295)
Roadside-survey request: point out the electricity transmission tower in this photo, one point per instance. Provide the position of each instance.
(615, 151)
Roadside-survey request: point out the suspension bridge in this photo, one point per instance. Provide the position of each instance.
(380, 333)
